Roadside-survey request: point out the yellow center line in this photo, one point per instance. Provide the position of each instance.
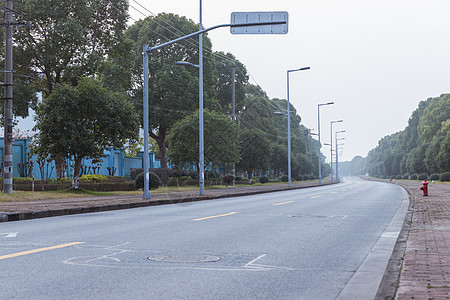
(333, 192)
(283, 203)
(316, 196)
(39, 250)
(228, 214)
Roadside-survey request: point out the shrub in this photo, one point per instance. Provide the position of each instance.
(298, 178)
(422, 177)
(228, 179)
(413, 177)
(94, 178)
(264, 179)
(238, 178)
(285, 178)
(444, 176)
(154, 181)
(399, 177)
(406, 177)
(434, 177)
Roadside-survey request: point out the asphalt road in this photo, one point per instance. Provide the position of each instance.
(316, 243)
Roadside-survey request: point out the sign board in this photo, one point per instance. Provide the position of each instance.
(253, 18)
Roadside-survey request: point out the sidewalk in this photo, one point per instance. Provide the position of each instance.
(420, 264)
(15, 211)
(426, 264)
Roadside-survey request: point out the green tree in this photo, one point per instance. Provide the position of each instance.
(279, 159)
(220, 137)
(223, 73)
(89, 119)
(443, 157)
(67, 39)
(434, 114)
(415, 163)
(255, 151)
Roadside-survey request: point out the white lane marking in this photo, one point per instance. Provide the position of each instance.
(254, 260)
(344, 217)
(10, 234)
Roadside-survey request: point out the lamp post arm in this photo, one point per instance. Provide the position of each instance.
(151, 49)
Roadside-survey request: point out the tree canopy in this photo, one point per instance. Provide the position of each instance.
(220, 137)
(82, 121)
(422, 147)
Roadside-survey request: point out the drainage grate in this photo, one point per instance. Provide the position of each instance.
(184, 258)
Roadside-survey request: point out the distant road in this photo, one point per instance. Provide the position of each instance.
(315, 243)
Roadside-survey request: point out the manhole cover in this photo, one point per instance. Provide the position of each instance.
(184, 258)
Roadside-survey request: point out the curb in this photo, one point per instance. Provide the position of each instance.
(20, 216)
(391, 278)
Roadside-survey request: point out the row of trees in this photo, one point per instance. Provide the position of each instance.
(88, 66)
(423, 147)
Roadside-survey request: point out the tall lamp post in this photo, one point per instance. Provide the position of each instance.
(233, 106)
(337, 151)
(312, 133)
(289, 122)
(200, 117)
(331, 145)
(318, 133)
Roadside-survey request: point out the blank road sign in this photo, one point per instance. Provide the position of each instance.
(259, 17)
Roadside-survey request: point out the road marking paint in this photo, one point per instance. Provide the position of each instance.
(333, 193)
(316, 196)
(10, 234)
(205, 218)
(283, 203)
(39, 250)
(345, 217)
(254, 260)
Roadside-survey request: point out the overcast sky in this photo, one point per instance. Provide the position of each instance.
(375, 59)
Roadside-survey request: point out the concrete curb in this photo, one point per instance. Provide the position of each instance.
(391, 278)
(20, 216)
(366, 281)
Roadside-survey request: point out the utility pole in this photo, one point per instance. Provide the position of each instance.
(8, 98)
(233, 107)
(8, 115)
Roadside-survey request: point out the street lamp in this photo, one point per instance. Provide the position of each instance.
(289, 122)
(318, 130)
(233, 107)
(201, 164)
(331, 144)
(337, 160)
(185, 63)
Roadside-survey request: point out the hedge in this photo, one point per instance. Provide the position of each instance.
(422, 177)
(434, 177)
(91, 186)
(413, 177)
(444, 176)
(264, 179)
(154, 181)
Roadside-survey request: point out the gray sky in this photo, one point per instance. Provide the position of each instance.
(375, 59)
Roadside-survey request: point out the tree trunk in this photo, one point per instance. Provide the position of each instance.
(60, 166)
(249, 175)
(76, 173)
(161, 140)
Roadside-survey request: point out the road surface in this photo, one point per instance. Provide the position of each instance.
(317, 243)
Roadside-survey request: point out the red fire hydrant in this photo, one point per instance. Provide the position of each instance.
(424, 187)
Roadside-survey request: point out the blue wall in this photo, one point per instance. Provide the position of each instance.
(114, 158)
